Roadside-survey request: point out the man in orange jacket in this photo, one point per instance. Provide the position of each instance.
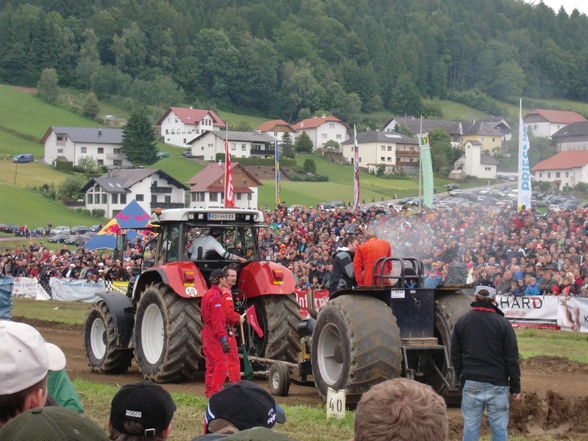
(365, 258)
(232, 319)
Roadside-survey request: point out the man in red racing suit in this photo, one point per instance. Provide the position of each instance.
(215, 344)
(233, 319)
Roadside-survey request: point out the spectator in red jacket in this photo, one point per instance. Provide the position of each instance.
(366, 256)
(215, 344)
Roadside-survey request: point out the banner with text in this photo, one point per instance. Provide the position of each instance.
(28, 288)
(427, 168)
(75, 290)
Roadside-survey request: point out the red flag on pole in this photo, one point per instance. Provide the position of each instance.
(252, 320)
(229, 193)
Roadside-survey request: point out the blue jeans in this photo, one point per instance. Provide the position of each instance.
(475, 397)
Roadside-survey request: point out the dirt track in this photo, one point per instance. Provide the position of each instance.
(554, 403)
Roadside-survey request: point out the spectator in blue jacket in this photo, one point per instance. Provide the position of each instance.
(532, 286)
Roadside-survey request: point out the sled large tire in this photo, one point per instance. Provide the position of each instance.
(356, 344)
(278, 316)
(449, 308)
(100, 342)
(167, 335)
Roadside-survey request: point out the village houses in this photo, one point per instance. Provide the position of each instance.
(241, 145)
(323, 129)
(72, 144)
(574, 136)
(277, 128)
(179, 125)
(151, 188)
(543, 123)
(564, 169)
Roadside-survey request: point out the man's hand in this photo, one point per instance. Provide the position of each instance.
(515, 397)
(242, 259)
(225, 346)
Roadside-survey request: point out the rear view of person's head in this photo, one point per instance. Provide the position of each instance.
(141, 411)
(240, 406)
(25, 360)
(401, 410)
(51, 424)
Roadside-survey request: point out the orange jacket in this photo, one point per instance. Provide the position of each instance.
(365, 257)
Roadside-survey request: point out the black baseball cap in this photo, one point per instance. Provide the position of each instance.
(51, 424)
(145, 403)
(245, 405)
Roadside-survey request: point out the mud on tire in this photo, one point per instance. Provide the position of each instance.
(100, 343)
(278, 316)
(356, 344)
(167, 335)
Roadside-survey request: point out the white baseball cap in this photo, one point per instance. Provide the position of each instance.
(25, 357)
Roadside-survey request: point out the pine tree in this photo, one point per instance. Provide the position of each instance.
(303, 143)
(139, 139)
(287, 146)
(47, 86)
(91, 107)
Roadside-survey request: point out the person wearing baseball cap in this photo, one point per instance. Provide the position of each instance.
(141, 411)
(25, 360)
(242, 410)
(51, 424)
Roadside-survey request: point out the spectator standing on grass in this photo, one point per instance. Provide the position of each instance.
(485, 355)
(400, 409)
(141, 412)
(232, 318)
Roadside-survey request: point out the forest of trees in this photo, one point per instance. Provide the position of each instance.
(292, 58)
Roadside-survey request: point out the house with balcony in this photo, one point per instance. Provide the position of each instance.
(396, 152)
(277, 128)
(544, 123)
(151, 188)
(322, 129)
(63, 143)
(416, 126)
(565, 169)
(241, 144)
(179, 125)
(208, 186)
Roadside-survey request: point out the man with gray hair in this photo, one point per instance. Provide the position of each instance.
(485, 356)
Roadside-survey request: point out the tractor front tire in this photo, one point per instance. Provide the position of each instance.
(100, 342)
(167, 335)
(355, 344)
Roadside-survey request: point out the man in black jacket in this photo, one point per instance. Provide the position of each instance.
(342, 275)
(485, 356)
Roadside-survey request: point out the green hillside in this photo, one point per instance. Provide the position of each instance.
(25, 207)
(32, 174)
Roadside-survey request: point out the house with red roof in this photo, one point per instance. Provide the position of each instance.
(277, 128)
(178, 125)
(322, 129)
(207, 187)
(567, 168)
(543, 123)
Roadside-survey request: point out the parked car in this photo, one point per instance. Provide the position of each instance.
(58, 238)
(23, 158)
(162, 155)
(79, 229)
(187, 153)
(60, 229)
(95, 228)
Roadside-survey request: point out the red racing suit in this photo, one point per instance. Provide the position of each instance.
(232, 319)
(366, 256)
(214, 333)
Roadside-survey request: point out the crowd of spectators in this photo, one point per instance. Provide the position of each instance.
(524, 253)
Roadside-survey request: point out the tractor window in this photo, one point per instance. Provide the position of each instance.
(169, 245)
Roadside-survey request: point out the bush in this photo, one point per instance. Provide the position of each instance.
(478, 100)
(64, 166)
(98, 212)
(220, 157)
(309, 166)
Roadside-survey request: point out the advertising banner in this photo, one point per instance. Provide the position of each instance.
(320, 298)
(75, 290)
(29, 288)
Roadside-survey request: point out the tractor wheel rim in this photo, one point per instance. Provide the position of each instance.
(329, 348)
(98, 338)
(275, 380)
(152, 333)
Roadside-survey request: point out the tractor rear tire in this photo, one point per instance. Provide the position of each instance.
(449, 308)
(356, 344)
(278, 316)
(100, 343)
(167, 335)
(279, 379)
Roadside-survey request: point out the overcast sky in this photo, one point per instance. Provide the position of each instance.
(569, 5)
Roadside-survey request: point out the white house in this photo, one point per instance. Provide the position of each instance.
(574, 136)
(74, 143)
(241, 144)
(476, 163)
(151, 188)
(277, 128)
(208, 186)
(322, 129)
(454, 128)
(544, 123)
(179, 125)
(395, 151)
(567, 168)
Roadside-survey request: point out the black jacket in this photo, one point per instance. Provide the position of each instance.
(342, 275)
(484, 348)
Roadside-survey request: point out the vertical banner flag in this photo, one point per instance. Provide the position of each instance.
(355, 170)
(524, 197)
(277, 170)
(427, 168)
(229, 193)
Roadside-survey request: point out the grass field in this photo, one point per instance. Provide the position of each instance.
(29, 175)
(25, 207)
(11, 144)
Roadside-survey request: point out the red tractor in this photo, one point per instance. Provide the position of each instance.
(159, 318)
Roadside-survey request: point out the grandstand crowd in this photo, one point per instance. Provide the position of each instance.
(523, 253)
